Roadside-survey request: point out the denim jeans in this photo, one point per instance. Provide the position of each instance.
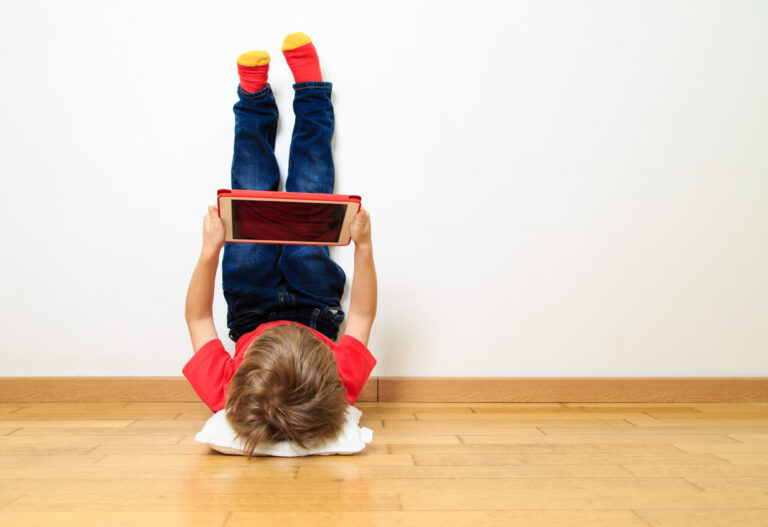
(266, 282)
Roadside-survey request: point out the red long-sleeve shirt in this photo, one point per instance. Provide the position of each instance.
(210, 370)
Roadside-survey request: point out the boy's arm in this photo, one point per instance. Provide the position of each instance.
(199, 306)
(362, 301)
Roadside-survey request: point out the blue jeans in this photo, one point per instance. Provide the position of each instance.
(266, 282)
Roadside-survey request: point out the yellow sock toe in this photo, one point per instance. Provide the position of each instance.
(294, 40)
(253, 58)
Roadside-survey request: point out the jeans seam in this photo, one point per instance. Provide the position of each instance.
(312, 85)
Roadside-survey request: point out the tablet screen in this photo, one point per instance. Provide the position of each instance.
(287, 221)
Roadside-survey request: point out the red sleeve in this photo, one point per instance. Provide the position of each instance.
(355, 364)
(209, 372)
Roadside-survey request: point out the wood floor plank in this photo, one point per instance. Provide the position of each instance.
(718, 429)
(127, 449)
(507, 487)
(119, 410)
(531, 418)
(458, 429)
(716, 448)
(538, 448)
(567, 493)
(445, 518)
(455, 428)
(119, 485)
(615, 439)
(750, 438)
(382, 437)
(168, 425)
(691, 420)
(359, 460)
(7, 409)
(73, 471)
(731, 408)
(704, 518)
(724, 470)
(200, 500)
(178, 407)
(7, 498)
(67, 423)
(711, 415)
(461, 471)
(31, 448)
(248, 470)
(620, 408)
(57, 462)
(723, 415)
(449, 407)
(719, 484)
(114, 519)
(386, 411)
(19, 440)
(565, 459)
(749, 458)
(193, 462)
(394, 409)
(95, 431)
(606, 406)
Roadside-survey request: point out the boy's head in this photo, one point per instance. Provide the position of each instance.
(286, 388)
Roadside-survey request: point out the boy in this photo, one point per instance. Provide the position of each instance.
(288, 380)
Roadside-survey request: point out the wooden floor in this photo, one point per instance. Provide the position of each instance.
(137, 464)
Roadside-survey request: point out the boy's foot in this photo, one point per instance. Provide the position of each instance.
(302, 58)
(253, 66)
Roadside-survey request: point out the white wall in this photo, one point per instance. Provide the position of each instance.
(615, 153)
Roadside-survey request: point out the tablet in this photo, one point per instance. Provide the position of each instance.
(255, 216)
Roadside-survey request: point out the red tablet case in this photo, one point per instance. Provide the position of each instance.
(282, 196)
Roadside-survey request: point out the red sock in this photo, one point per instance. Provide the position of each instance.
(252, 67)
(304, 63)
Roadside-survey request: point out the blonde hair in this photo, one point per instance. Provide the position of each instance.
(286, 388)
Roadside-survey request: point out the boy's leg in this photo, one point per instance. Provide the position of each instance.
(308, 270)
(249, 271)
(310, 163)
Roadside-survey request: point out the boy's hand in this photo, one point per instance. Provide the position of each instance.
(213, 231)
(360, 229)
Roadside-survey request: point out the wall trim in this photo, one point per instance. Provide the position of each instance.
(574, 389)
(417, 389)
(128, 389)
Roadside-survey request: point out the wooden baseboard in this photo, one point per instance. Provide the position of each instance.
(87, 389)
(128, 389)
(574, 389)
(416, 389)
